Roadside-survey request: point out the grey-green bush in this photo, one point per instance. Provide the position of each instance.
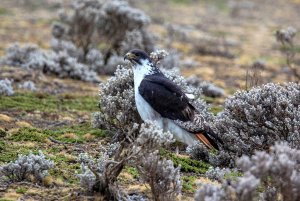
(266, 176)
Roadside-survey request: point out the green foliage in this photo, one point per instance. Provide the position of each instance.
(221, 5)
(2, 145)
(216, 109)
(186, 164)
(233, 175)
(21, 190)
(181, 1)
(189, 185)
(78, 130)
(28, 134)
(11, 152)
(2, 133)
(208, 99)
(48, 103)
(133, 171)
(4, 11)
(65, 168)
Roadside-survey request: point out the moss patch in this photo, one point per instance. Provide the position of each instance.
(28, 134)
(48, 103)
(133, 171)
(216, 109)
(2, 145)
(11, 152)
(21, 190)
(186, 164)
(188, 184)
(4, 11)
(77, 131)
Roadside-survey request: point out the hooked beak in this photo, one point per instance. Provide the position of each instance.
(129, 56)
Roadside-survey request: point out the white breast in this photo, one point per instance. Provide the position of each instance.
(145, 110)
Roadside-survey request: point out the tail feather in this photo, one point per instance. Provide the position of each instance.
(205, 140)
(209, 139)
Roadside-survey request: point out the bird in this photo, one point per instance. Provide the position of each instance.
(160, 100)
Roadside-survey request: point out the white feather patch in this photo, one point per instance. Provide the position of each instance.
(190, 96)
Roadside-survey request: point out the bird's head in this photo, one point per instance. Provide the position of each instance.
(136, 56)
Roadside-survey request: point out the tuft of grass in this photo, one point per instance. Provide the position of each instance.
(188, 184)
(133, 171)
(221, 5)
(4, 11)
(28, 134)
(65, 169)
(186, 164)
(2, 145)
(232, 176)
(64, 133)
(11, 152)
(295, 49)
(208, 99)
(21, 190)
(216, 109)
(48, 103)
(72, 134)
(181, 1)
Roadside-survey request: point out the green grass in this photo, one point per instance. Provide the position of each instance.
(11, 152)
(295, 49)
(2, 145)
(233, 176)
(208, 99)
(21, 190)
(65, 169)
(215, 109)
(133, 171)
(186, 164)
(28, 134)
(39, 135)
(188, 184)
(48, 103)
(2, 133)
(79, 130)
(4, 11)
(221, 5)
(181, 1)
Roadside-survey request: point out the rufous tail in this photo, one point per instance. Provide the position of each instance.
(209, 139)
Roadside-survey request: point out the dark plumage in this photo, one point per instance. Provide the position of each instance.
(166, 98)
(161, 100)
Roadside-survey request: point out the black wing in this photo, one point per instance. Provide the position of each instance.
(166, 98)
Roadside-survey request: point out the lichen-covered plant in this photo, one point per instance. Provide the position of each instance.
(89, 24)
(60, 63)
(255, 120)
(166, 59)
(140, 151)
(28, 85)
(30, 167)
(286, 38)
(163, 178)
(6, 87)
(208, 89)
(267, 176)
